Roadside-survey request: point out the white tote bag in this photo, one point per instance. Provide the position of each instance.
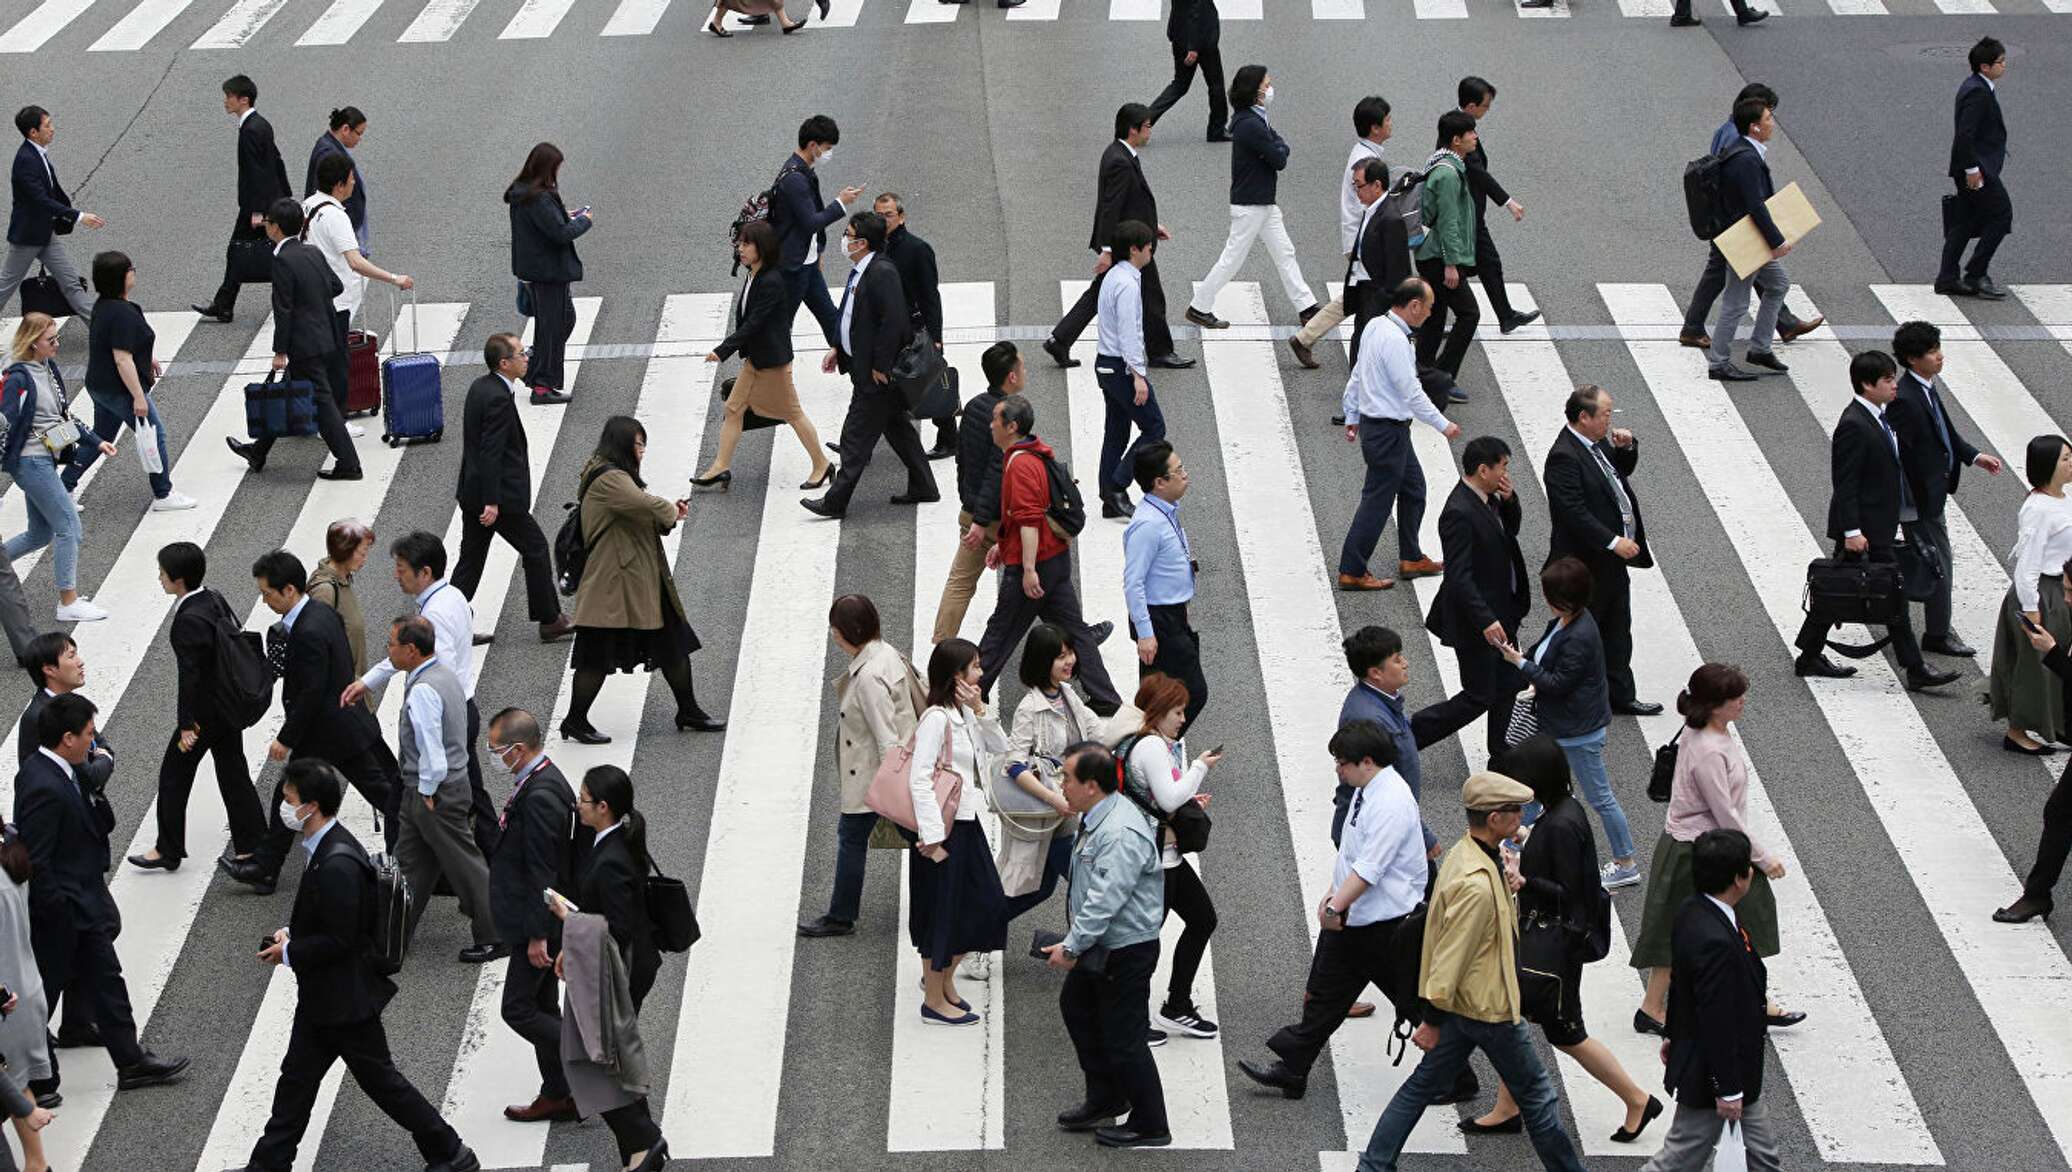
(147, 446)
(1732, 1153)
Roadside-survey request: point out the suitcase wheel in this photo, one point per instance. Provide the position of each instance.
(390, 440)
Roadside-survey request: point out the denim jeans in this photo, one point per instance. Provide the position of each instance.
(852, 847)
(53, 519)
(1509, 1048)
(1056, 865)
(1586, 761)
(111, 414)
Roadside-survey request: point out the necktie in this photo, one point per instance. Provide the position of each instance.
(1905, 497)
(1359, 795)
(1942, 427)
(1745, 941)
(1611, 475)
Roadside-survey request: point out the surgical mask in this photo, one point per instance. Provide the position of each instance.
(1266, 96)
(292, 816)
(503, 761)
(827, 154)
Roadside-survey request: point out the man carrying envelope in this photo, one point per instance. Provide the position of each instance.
(1744, 183)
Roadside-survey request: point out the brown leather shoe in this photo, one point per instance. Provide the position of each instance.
(1800, 330)
(1698, 341)
(542, 1110)
(1364, 582)
(1304, 354)
(1360, 1009)
(561, 628)
(1421, 568)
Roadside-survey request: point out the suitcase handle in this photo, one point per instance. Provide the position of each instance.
(396, 322)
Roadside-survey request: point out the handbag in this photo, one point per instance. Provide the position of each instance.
(918, 367)
(940, 400)
(1663, 776)
(1021, 809)
(1525, 719)
(669, 910)
(891, 797)
(276, 408)
(750, 421)
(1856, 590)
(44, 294)
(251, 261)
(61, 437)
(1920, 570)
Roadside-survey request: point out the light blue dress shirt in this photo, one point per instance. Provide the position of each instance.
(1120, 319)
(1157, 567)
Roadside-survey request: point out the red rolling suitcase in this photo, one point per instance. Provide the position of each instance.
(362, 373)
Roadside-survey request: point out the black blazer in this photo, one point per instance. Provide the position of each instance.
(193, 638)
(1485, 578)
(330, 935)
(1572, 697)
(878, 324)
(494, 468)
(65, 827)
(1980, 137)
(1744, 183)
(41, 207)
(262, 175)
(798, 213)
(98, 768)
(1481, 184)
(1867, 485)
(609, 884)
(1384, 251)
(1121, 193)
(1582, 510)
(1194, 26)
(915, 260)
(543, 238)
(762, 329)
(1559, 865)
(356, 204)
(319, 666)
(1717, 993)
(1935, 457)
(303, 289)
(537, 851)
(1258, 153)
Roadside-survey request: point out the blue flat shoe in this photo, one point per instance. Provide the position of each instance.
(931, 1017)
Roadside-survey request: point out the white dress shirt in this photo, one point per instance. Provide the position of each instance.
(1350, 210)
(1359, 265)
(453, 636)
(1611, 475)
(849, 293)
(1384, 383)
(1383, 843)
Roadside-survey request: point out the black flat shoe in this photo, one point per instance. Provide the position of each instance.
(1523, 319)
(249, 873)
(1129, 1137)
(484, 953)
(1920, 679)
(818, 506)
(1949, 645)
(1643, 1024)
(825, 476)
(789, 29)
(2023, 910)
(249, 453)
(912, 498)
(942, 450)
(149, 1071)
(1206, 319)
(1684, 22)
(1511, 1126)
(723, 478)
(1767, 361)
(1786, 1020)
(1819, 666)
(714, 28)
(1171, 362)
(699, 720)
(826, 926)
(2009, 744)
(1638, 708)
(161, 863)
(583, 734)
(340, 474)
(1751, 18)
(1647, 1116)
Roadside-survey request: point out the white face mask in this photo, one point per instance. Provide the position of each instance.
(503, 761)
(292, 816)
(827, 154)
(1266, 96)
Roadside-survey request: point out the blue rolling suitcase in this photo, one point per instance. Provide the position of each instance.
(413, 404)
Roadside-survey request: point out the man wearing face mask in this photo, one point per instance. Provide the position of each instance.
(1258, 154)
(802, 220)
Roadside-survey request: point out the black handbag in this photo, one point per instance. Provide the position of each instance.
(1920, 570)
(44, 294)
(1543, 947)
(1955, 220)
(669, 911)
(940, 400)
(275, 408)
(918, 367)
(251, 261)
(1663, 776)
(524, 299)
(750, 421)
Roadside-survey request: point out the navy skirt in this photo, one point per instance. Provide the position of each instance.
(956, 906)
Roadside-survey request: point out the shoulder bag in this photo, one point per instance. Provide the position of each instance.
(669, 911)
(891, 797)
(1663, 777)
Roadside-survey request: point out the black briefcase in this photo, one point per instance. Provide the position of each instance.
(674, 921)
(941, 400)
(251, 261)
(1857, 590)
(44, 294)
(1955, 222)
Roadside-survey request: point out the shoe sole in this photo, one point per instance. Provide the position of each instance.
(1177, 1027)
(1616, 884)
(1166, 1142)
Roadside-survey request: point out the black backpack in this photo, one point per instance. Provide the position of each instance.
(1189, 825)
(1701, 185)
(571, 552)
(388, 920)
(1067, 511)
(244, 679)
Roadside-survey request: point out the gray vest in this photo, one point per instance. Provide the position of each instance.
(453, 725)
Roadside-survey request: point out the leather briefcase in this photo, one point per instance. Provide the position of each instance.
(44, 294)
(918, 368)
(1921, 570)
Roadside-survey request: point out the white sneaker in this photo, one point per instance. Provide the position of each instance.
(81, 611)
(355, 430)
(172, 502)
(979, 966)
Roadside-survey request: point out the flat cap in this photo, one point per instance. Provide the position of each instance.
(1487, 791)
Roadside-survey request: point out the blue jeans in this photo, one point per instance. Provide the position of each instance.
(53, 519)
(1586, 761)
(1056, 865)
(1120, 390)
(852, 847)
(1509, 1048)
(806, 286)
(111, 414)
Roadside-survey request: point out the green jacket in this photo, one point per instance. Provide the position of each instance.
(1449, 213)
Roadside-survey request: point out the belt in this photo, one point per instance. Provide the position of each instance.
(1364, 420)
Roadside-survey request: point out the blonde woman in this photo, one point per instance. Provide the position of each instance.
(41, 437)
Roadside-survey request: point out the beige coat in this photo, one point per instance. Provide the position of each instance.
(881, 700)
(1039, 732)
(328, 585)
(1470, 961)
(626, 582)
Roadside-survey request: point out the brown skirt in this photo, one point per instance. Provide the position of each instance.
(768, 393)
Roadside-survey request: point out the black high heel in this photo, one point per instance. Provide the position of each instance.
(723, 478)
(697, 719)
(824, 478)
(2023, 910)
(583, 734)
(714, 28)
(793, 27)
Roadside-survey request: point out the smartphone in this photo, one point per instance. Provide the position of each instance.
(266, 942)
(6, 995)
(581, 211)
(1216, 752)
(2026, 623)
(551, 896)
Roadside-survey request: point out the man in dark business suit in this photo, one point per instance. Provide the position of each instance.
(802, 220)
(1195, 29)
(1594, 516)
(262, 178)
(1713, 1060)
(340, 993)
(348, 127)
(1484, 593)
(495, 491)
(1936, 454)
(42, 212)
(871, 329)
(1744, 185)
(914, 259)
(1476, 97)
(319, 665)
(1121, 193)
(65, 820)
(1978, 150)
(305, 335)
(1871, 498)
(1380, 258)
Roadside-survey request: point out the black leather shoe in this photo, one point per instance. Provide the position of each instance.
(1922, 678)
(246, 452)
(1949, 645)
(1276, 1075)
(1684, 22)
(1171, 362)
(583, 734)
(1303, 354)
(699, 720)
(1465, 1089)
(464, 1160)
(1988, 288)
(161, 863)
(478, 639)
(943, 450)
(1059, 354)
(249, 873)
(1766, 360)
(1129, 1137)
(550, 397)
(484, 953)
(50, 1100)
(826, 926)
(819, 507)
(1648, 1114)
(1511, 1126)
(1100, 631)
(1087, 1116)
(1785, 1020)
(1302, 316)
(1638, 708)
(1206, 320)
(210, 313)
(149, 1071)
(1530, 316)
(1818, 666)
(88, 1038)
(1116, 506)
(1731, 373)
(914, 498)
(340, 474)
(2021, 911)
(1643, 1024)
(1749, 18)
(1219, 136)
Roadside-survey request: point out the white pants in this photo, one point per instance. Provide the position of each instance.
(1248, 222)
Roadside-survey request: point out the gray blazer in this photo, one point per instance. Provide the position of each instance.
(601, 1051)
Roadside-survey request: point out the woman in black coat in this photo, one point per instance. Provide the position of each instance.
(543, 258)
(1556, 878)
(762, 336)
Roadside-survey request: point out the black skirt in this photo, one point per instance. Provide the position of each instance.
(956, 906)
(613, 649)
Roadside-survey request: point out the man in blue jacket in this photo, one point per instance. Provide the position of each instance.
(802, 220)
(1714, 279)
(42, 213)
(1744, 181)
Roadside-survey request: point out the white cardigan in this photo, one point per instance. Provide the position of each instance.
(973, 739)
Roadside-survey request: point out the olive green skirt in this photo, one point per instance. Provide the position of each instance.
(1670, 883)
(2020, 690)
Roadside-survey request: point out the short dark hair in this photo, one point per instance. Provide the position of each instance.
(1583, 401)
(1565, 584)
(111, 272)
(998, 362)
(1017, 412)
(1453, 124)
(332, 170)
(43, 653)
(421, 551)
(518, 726)
(2040, 462)
(1129, 116)
(1760, 92)
(1372, 171)
(61, 717)
(343, 538)
(1363, 740)
(1245, 86)
(1128, 235)
(819, 128)
(1538, 762)
(1149, 466)
(185, 563)
(1913, 340)
(1718, 858)
(280, 570)
(945, 664)
(855, 616)
(285, 214)
(1870, 367)
(347, 117)
(498, 347)
(415, 630)
(1046, 642)
(1484, 451)
(1473, 90)
(1408, 290)
(1091, 761)
(29, 119)
(1368, 113)
(1987, 51)
(763, 236)
(315, 780)
(1369, 648)
(1748, 112)
(241, 86)
(869, 227)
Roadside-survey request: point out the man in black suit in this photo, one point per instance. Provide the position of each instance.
(305, 335)
(1713, 1060)
(535, 852)
(1476, 97)
(339, 992)
(1978, 150)
(914, 258)
(1594, 516)
(1484, 593)
(1744, 185)
(262, 178)
(65, 819)
(871, 329)
(319, 665)
(1936, 454)
(1871, 498)
(1380, 257)
(1122, 194)
(495, 491)
(42, 212)
(1195, 28)
(200, 618)
(802, 220)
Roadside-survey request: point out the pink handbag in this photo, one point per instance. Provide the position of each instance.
(892, 798)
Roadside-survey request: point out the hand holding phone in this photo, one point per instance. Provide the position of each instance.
(2025, 621)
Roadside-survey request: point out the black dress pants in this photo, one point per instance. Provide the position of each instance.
(876, 413)
(233, 779)
(1108, 1015)
(1015, 612)
(78, 958)
(488, 829)
(225, 299)
(1346, 961)
(522, 533)
(363, 1047)
(2056, 843)
(532, 1008)
(1489, 267)
(1987, 216)
(371, 771)
(1210, 62)
(316, 370)
(1488, 685)
(1460, 302)
(1158, 336)
(1179, 655)
(1611, 604)
(553, 320)
(1814, 631)
(338, 366)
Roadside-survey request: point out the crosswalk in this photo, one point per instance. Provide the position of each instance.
(1265, 473)
(107, 26)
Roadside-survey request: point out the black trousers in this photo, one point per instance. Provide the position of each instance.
(2056, 842)
(1489, 266)
(316, 370)
(488, 830)
(553, 320)
(1158, 336)
(1179, 655)
(1460, 302)
(1108, 1016)
(1988, 216)
(1015, 612)
(1187, 898)
(532, 1008)
(1488, 685)
(1364, 301)
(1682, 10)
(1210, 62)
(363, 1047)
(1346, 961)
(633, 1128)
(1711, 283)
(1814, 631)
(225, 299)
(79, 958)
(519, 531)
(1611, 604)
(338, 367)
(176, 780)
(876, 413)
(1934, 532)
(372, 771)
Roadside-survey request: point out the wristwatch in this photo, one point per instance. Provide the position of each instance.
(1068, 953)
(1333, 912)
